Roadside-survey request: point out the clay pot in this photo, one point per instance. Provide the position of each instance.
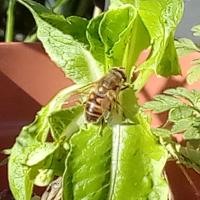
(29, 80)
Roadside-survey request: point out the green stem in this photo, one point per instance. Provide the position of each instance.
(10, 21)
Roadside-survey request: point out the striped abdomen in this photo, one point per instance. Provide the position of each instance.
(94, 106)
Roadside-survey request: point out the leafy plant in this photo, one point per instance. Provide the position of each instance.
(126, 159)
(185, 46)
(183, 107)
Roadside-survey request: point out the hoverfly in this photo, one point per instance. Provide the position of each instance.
(104, 94)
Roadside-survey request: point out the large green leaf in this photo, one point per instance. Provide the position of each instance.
(123, 39)
(160, 19)
(114, 33)
(64, 122)
(137, 164)
(64, 40)
(96, 45)
(128, 104)
(116, 42)
(88, 165)
(30, 138)
(41, 152)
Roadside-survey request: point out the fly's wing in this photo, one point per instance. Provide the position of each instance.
(80, 95)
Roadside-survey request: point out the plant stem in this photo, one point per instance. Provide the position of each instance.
(10, 21)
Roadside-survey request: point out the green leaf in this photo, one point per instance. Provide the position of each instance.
(185, 46)
(116, 42)
(191, 96)
(193, 74)
(191, 156)
(162, 103)
(128, 103)
(180, 112)
(161, 132)
(29, 139)
(41, 152)
(196, 30)
(44, 177)
(54, 165)
(88, 165)
(119, 3)
(114, 33)
(128, 35)
(63, 47)
(181, 125)
(65, 122)
(58, 161)
(97, 47)
(137, 164)
(169, 64)
(192, 133)
(160, 19)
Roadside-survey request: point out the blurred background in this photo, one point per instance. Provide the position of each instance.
(24, 25)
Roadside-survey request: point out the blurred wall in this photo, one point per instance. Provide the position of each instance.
(191, 18)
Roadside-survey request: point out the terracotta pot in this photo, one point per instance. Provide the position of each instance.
(29, 80)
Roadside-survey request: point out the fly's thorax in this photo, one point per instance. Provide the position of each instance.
(114, 79)
(120, 73)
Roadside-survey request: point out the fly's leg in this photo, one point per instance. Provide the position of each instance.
(102, 126)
